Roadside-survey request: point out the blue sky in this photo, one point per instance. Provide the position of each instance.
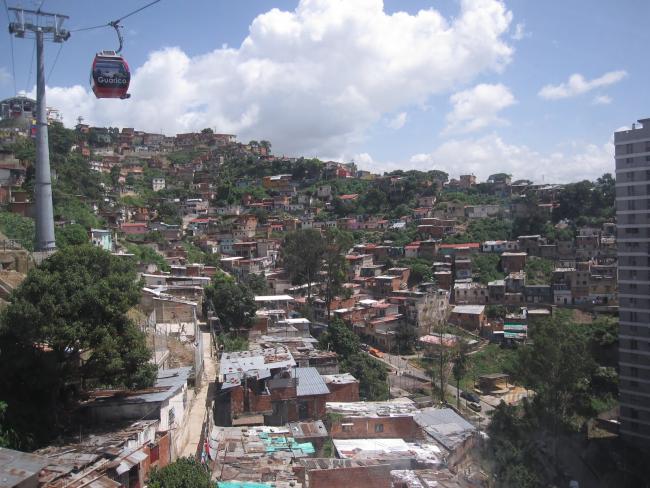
(459, 87)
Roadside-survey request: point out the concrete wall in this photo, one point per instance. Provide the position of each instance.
(167, 311)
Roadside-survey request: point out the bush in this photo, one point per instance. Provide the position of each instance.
(182, 473)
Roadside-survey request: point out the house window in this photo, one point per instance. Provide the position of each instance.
(346, 427)
(171, 417)
(379, 428)
(629, 148)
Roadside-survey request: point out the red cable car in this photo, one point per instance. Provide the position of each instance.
(110, 76)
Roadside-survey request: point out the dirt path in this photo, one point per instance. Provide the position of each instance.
(196, 416)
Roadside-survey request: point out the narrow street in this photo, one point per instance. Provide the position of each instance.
(196, 415)
(401, 365)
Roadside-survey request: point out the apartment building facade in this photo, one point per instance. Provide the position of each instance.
(632, 154)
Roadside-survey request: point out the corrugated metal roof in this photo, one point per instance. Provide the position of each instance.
(310, 382)
(17, 466)
(444, 425)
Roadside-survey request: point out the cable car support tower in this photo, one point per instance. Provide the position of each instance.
(41, 25)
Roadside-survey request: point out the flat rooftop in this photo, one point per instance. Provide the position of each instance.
(469, 309)
(392, 408)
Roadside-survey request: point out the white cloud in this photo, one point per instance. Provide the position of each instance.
(491, 154)
(602, 100)
(520, 32)
(398, 121)
(310, 80)
(477, 108)
(577, 85)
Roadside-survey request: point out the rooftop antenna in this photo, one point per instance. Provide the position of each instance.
(42, 25)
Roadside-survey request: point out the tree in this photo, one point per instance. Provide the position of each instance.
(337, 242)
(558, 366)
(71, 235)
(371, 373)
(115, 175)
(512, 454)
(182, 473)
(302, 255)
(340, 339)
(67, 321)
(486, 265)
(539, 270)
(459, 368)
(207, 130)
(233, 303)
(257, 283)
(6, 435)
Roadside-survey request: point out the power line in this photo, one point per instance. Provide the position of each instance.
(31, 65)
(56, 58)
(116, 21)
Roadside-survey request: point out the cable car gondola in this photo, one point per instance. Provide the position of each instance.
(110, 75)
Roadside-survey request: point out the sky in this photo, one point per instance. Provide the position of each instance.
(530, 88)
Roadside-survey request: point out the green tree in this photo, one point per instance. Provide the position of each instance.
(512, 454)
(7, 436)
(371, 373)
(337, 242)
(486, 265)
(19, 228)
(67, 321)
(182, 473)
(115, 175)
(558, 366)
(147, 255)
(71, 235)
(459, 368)
(257, 283)
(233, 303)
(539, 271)
(339, 338)
(302, 255)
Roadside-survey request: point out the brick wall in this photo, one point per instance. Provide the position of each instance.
(376, 428)
(357, 477)
(236, 400)
(343, 392)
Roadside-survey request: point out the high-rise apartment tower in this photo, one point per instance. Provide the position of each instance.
(632, 153)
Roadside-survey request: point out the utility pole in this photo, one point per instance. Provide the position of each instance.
(41, 24)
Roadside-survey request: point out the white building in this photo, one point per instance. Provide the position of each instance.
(158, 184)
